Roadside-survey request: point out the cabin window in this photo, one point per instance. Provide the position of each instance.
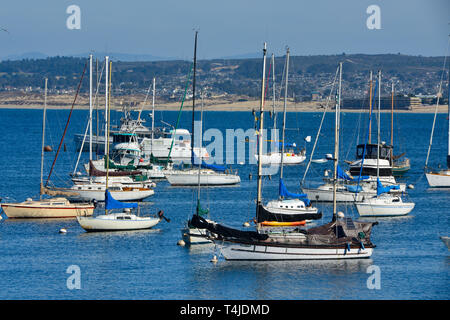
(127, 218)
(119, 218)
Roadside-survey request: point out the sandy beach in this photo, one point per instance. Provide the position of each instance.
(35, 101)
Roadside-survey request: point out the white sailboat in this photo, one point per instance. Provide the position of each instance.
(342, 238)
(360, 182)
(46, 208)
(95, 190)
(212, 175)
(383, 204)
(117, 221)
(289, 208)
(439, 178)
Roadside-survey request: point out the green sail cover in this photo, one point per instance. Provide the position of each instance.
(128, 167)
(200, 210)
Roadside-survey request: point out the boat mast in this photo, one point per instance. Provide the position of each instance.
(43, 141)
(273, 94)
(90, 107)
(153, 113)
(370, 105)
(260, 133)
(379, 123)
(106, 98)
(336, 140)
(392, 114)
(108, 103)
(193, 98)
(200, 155)
(284, 112)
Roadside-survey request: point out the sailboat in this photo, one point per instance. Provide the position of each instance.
(289, 209)
(439, 178)
(290, 156)
(360, 182)
(384, 204)
(190, 234)
(342, 238)
(91, 191)
(117, 221)
(210, 174)
(46, 208)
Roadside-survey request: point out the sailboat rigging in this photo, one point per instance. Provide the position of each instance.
(342, 238)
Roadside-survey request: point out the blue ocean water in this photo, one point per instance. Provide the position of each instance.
(34, 257)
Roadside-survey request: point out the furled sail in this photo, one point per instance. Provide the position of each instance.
(111, 203)
(57, 192)
(381, 189)
(98, 173)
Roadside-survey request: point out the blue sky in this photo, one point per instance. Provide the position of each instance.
(226, 28)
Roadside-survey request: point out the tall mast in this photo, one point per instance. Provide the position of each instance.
(106, 98)
(90, 107)
(96, 107)
(108, 85)
(379, 123)
(43, 140)
(260, 133)
(370, 106)
(392, 114)
(284, 112)
(336, 140)
(200, 155)
(153, 112)
(273, 94)
(193, 98)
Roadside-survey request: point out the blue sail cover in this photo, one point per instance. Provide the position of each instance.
(214, 167)
(111, 203)
(286, 145)
(341, 174)
(381, 189)
(283, 191)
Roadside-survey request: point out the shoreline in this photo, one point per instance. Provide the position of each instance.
(228, 107)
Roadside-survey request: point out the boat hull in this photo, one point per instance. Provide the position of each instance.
(181, 179)
(18, 211)
(99, 195)
(192, 236)
(94, 224)
(439, 180)
(275, 158)
(383, 210)
(236, 251)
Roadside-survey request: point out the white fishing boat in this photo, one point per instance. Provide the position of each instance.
(316, 243)
(383, 204)
(46, 208)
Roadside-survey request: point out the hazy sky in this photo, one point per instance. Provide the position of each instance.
(226, 27)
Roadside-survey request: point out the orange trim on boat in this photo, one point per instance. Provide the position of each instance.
(283, 224)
